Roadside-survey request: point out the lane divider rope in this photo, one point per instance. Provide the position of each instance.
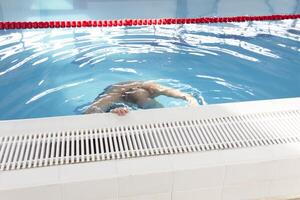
(140, 22)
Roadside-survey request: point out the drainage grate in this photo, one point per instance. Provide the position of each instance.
(46, 149)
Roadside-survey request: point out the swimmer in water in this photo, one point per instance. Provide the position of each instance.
(138, 93)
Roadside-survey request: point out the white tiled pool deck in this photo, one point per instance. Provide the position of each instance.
(260, 172)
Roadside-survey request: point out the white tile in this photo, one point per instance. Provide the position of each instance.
(29, 177)
(249, 172)
(196, 160)
(287, 168)
(89, 181)
(162, 196)
(145, 184)
(244, 155)
(284, 151)
(1, 173)
(256, 190)
(287, 188)
(88, 171)
(205, 194)
(50, 192)
(144, 176)
(199, 178)
(144, 165)
(90, 190)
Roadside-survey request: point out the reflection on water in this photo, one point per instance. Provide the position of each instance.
(62, 69)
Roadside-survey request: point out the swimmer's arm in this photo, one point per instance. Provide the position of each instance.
(170, 92)
(102, 104)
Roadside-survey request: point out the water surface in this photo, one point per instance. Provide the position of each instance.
(56, 72)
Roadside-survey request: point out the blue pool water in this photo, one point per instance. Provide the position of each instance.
(57, 72)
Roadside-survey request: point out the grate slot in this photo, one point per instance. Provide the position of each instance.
(211, 140)
(171, 138)
(265, 123)
(129, 144)
(57, 150)
(76, 147)
(97, 145)
(68, 144)
(145, 145)
(177, 144)
(231, 142)
(25, 159)
(106, 147)
(156, 140)
(100, 140)
(187, 136)
(152, 141)
(260, 134)
(16, 156)
(121, 145)
(178, 139)
(234, 138)
(149, 142)
(290, 131)
(242, 135)
(138, 141)
(198, 132)
(244, 126)
(165, 139)
(72, 146)
(214, 134)
(294, 125)
(160, 140)
(183, 137)
(10, 152)
(116, 144)
(32, 149)
(111, 149)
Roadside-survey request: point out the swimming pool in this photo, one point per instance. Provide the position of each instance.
(241, 150)
(55, 72)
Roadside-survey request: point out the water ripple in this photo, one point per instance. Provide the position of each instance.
(51, 90)
(91, 46)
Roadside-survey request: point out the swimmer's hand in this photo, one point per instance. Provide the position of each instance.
(191, 100)
(120, 111)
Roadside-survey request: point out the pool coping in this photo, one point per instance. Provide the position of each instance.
(108, 120)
